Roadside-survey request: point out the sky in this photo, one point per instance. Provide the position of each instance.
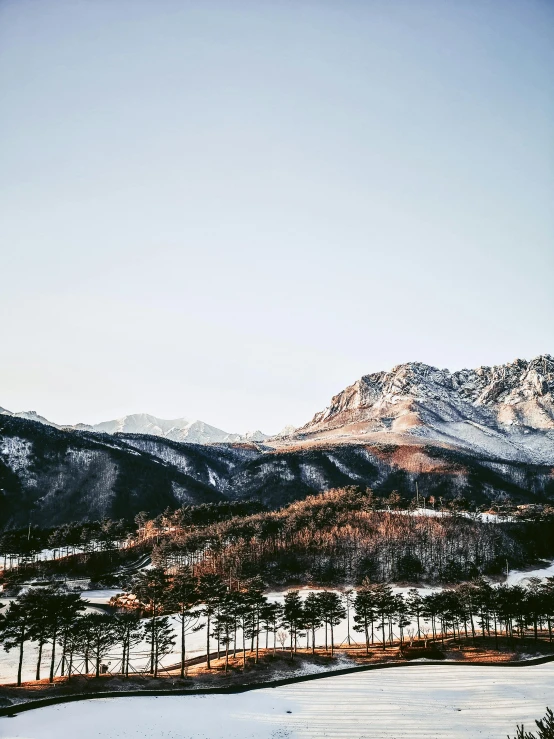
(232, 209)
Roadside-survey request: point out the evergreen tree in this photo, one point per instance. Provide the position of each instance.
(130, 632)
(211, 590)
(332, 611)
(160, 632)
(292, 616)
(103, 636)
(185, 598)
(15, 630)
(62, 609)
(364, 612)
(313, 619)
(545, 728)
(151, 588)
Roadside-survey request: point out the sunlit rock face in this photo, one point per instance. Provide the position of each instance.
(505, 411)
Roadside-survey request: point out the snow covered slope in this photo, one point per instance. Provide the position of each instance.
(504, 412)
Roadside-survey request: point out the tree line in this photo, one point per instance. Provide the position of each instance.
(240, 618)
(23, 545)
(345, 535)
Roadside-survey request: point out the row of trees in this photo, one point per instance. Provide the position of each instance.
(23, 546)
(236, 616)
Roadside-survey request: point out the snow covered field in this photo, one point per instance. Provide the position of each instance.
(435, 702)
(522, 577)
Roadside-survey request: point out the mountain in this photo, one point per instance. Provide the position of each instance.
(483, 434)
(29, 416)
(504, 412)
(179, 429)
(52, 476)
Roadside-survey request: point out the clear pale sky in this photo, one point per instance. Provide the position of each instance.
(231, 209)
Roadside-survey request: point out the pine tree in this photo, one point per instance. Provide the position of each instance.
(545, 728)
(292, 616)
(211, 590)
(184, 596)
(16, 630)
(151, 588)
(130, 632)
(62, 610)
(103, 632)
(333, 611)
(313, 619)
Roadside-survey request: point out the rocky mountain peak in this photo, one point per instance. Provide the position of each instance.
(418, 400)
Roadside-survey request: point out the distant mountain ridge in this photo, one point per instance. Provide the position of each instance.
(179, 429)
(484, 434)
(505, 411)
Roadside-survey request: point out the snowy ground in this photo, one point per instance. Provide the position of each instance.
(522, 577)
(433, 703)
(436, 513)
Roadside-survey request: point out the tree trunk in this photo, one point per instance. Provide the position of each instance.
(152, 642)
(208, 663)
(20, 666)
(243, 645)
(39, 660)
(70, 665)
(53, 658)
(182, 645)
(64, 645)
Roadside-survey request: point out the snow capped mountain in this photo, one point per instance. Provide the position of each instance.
(178, 429)
(285, 432)
(254, 436)
(483, 434)
(505, 411)
(28, 416)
